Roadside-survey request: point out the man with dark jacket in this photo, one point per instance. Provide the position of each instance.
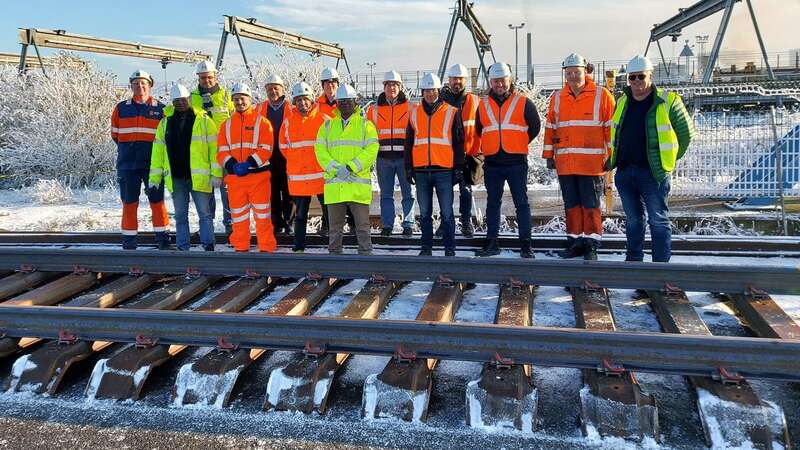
(434, 159)
(507, 123)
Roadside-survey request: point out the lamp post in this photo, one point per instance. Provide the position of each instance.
(516, 47)
(371, 74)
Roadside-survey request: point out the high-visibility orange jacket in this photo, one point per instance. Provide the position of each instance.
(390, 121)
(298, 134)
(242, 137)
(504, 125)
(468, 110)
(263, 107)
(578, 129)
(327, 109)
(433, 144)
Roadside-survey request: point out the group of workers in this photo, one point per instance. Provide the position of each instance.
(272, 158)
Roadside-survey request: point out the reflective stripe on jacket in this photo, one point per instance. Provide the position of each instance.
(469, 114)
(133, 129)
(221, 105)
(503, 126)
(202, 153)
(390, 122)
(578, 130)
(347, 156)
(433, 136)
(298, 135)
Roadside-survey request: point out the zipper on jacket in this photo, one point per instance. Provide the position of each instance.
(430, 119)
(500, 125)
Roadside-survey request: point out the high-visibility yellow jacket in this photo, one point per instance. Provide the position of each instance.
(221, 105)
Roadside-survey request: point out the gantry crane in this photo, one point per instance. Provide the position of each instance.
(463, 12)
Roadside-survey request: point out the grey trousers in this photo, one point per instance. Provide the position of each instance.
(337, 213)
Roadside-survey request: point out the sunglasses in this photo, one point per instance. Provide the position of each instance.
(639, 77)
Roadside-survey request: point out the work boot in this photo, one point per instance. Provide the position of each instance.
(467, 230)
(165, 245)
(490, 248)
(323, 231)
(525, 249)
(208, 247)
(449, 253)
(439, 232)
(386, 232)
(573, 250)
(591, 246)
(408, 232)
(426, 252)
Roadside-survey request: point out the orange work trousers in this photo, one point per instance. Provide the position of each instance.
(250, 192)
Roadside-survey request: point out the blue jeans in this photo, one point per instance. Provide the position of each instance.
(388, 169)
(442, 181)
(226, 211)
(181, 189)
(638, 191)
(495, 177)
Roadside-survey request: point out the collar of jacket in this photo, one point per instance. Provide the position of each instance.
(497, 98)
(656, 98)
(210, 90)
(324, 99)
(169, 111)
(431, 109)
(401, 98)
(454, 99)
(281, 103)
(590, 86)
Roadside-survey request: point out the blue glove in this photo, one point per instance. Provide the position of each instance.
(241, 169)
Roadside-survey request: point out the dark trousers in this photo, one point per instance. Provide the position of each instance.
(581, 195)
(640, 192)
(464, 200)
(280, 202)
(302, 205)
(442, 183)
(495, 177)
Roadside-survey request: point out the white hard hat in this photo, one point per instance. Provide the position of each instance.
(499, 70)
(346, 91)
(640, 63)
(243, 89)
(329, 73)
(302, 89)
(458, 70)
(574, 60)
(178, 91)
(141, 74)
(204, 67)
(274, 79)
(392, 76)
(430, 81)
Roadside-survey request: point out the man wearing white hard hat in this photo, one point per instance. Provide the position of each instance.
(455, 94)
(651, 132)
(576, 145)
(434, 157)
(217, 103)
(346, 149)
(390, 117)
(298, 134)
(185, 160)
(275, 108)
(507, 123)
(133, 129)
(244, 145)
(326, 102)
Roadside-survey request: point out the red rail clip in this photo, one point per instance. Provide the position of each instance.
(143, 341)
(757, 293)
(251, 274)
(311, 350)
(725, 377)
(192, 272)
(79, 270)
(611, 369)
(135, 271)
(502, 362)
(378, 278)
(26, 268)
(66, 338)
(314, 276)
(445, 281)
(591, 287)
(225, 346)
(672, 291)
(404, 356)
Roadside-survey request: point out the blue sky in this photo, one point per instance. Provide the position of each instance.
(407, 35)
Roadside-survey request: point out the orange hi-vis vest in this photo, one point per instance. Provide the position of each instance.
(390, 122)
(326, 108)
(245, 135)
(297, 136)
(578, 130)
(263, 108)
(469, 114)
(512, 133)
(433, 136)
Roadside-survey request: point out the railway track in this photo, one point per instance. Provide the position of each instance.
(132, 312)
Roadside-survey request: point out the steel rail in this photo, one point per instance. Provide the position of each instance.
(646, 352)
(571, 273)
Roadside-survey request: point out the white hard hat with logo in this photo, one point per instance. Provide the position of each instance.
(302, 89)
(458, 71)
(499, 70)
(574, 60)
(141, 74)
(205, 67)
(392, 76)
(241, 89)
(640, 63)
(345, 91)
(178, 91)
(430, 81)
(329, 73)
(274, 79)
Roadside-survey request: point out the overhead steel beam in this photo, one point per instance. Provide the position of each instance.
(12, 59)
(686, 17)
(611, 274)
(563, 347)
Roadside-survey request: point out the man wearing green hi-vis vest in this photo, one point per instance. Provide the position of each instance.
(651, 131)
